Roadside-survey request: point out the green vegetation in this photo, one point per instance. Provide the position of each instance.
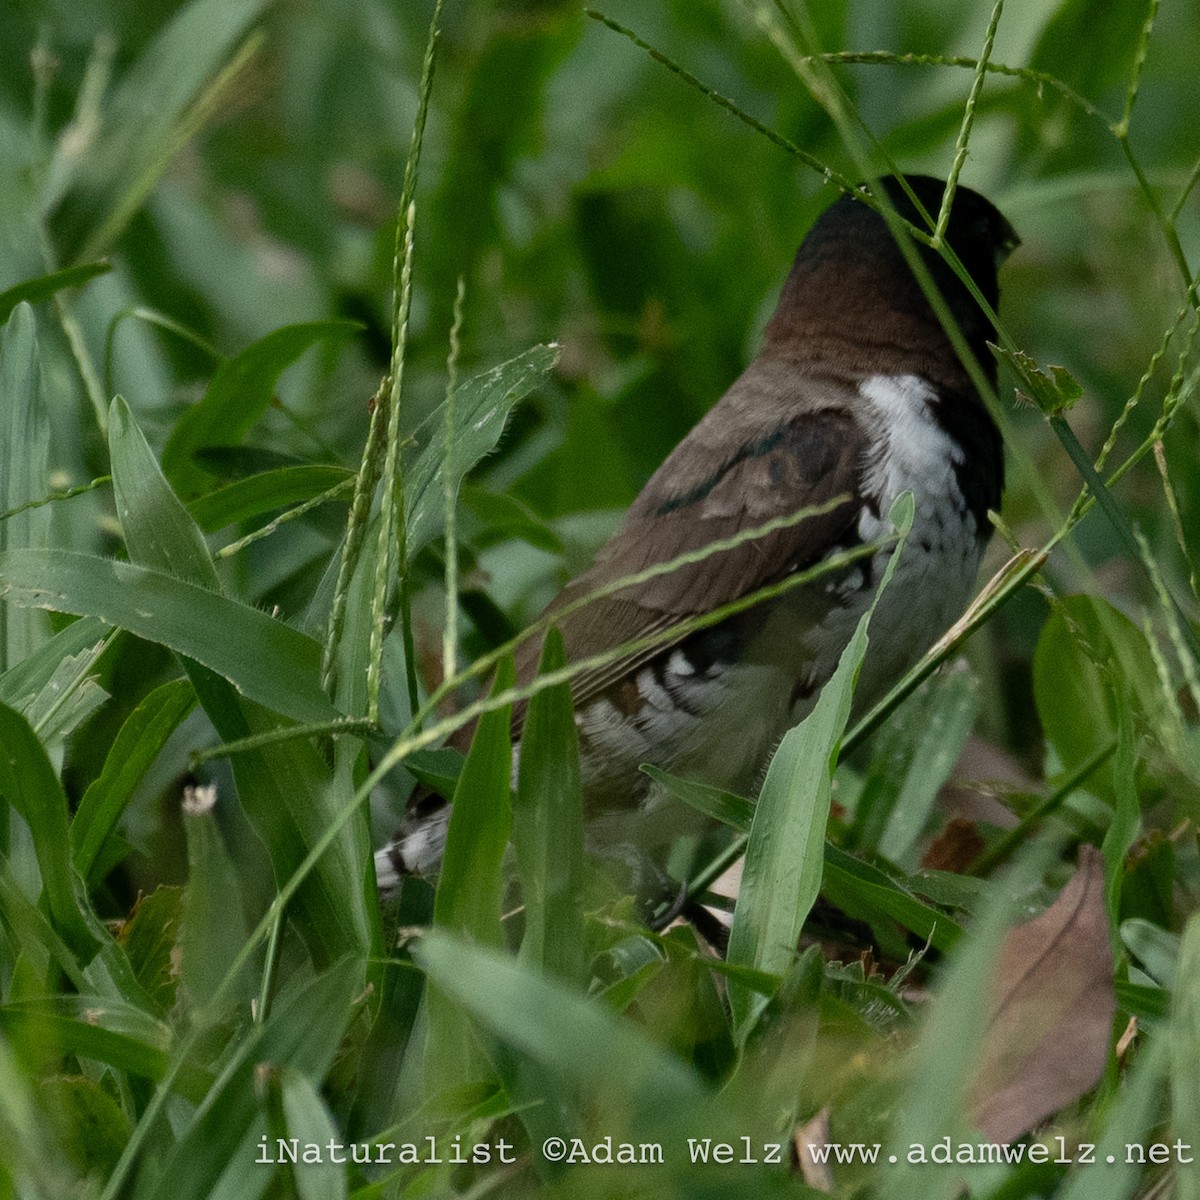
(329, 350)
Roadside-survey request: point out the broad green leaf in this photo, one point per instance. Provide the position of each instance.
(928, 736)
(90, 1125)
(238, 396)
(213, 931)
(158, 531)
(263, 493)
(150, 939)
(263, 658)
(1184, 1041)
(785, 853)
(470, 886)
(302, 1033)
(24, 451)
(481, 408)
(134, 749)
(1157, 949)
(548, 826)
(29, 784)
(31, 291)
(31, 1155)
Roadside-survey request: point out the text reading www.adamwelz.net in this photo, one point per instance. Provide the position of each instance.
(744, 1151)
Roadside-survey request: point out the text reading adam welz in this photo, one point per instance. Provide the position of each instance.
(745, 1151)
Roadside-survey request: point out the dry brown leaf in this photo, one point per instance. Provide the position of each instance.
(814, 1133)
(955, 848)
(1052, 1010)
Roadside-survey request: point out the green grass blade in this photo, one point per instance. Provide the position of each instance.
(158, 531)
(28, 782)
(238, 396)
(1184, 1041)
(303, 1034)
(607, 1059)
(785, 853)
(548, 826)
(470, 887)
(24, 451)
(481, 408)
(213, 930)
(263, 658)
(264, 493)
(135, 748)
(32, 291)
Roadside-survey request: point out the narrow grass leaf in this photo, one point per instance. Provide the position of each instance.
(32, 291)
(263, 493)
(1127, 816)
(481, 408)
(935, 742)
(287, 790)
(308, 1122)
(263, 658)
(136, 746)
(24, 680)
(213, 928)
(468, 899)
(106, 1030)
(1115, 1171)
(608, 1060)
(548, 826)
(29, 784)
(24, 453)
(70, 695)
(1184, 1041)
(470, 886)
(303, 1033)
(735, 811)
(158, 531)
(868, 893)
(785, 853)
(238, 396)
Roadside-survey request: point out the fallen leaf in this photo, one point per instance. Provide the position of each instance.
(955, 848)
(1052, 1011)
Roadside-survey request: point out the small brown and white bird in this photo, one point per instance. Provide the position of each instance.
(857, 392)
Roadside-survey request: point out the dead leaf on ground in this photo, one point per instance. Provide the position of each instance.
(955, 848)
(1052, 1011)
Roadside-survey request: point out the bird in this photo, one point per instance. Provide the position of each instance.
(856, 395)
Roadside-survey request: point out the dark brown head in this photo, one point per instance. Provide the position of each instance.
(851, 298)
